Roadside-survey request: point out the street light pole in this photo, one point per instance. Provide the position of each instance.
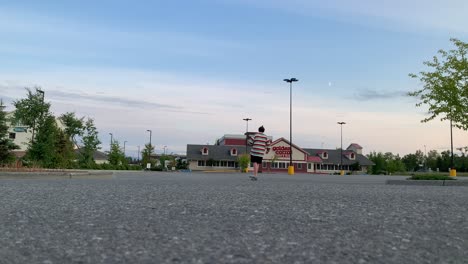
(112, 141)
(138, 155)
(149, 130)
(165, 150)
(453, 172)
(246, 130)
(425, 158)
(341, 148)
(124, 148)
(291, 167)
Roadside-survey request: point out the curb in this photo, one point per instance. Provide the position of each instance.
(49, 174)
(428, 182)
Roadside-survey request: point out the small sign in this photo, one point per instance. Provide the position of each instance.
(148, 165)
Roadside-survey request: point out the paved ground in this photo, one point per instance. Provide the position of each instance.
(224, 218)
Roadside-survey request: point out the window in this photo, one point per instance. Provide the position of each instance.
(224, 163)
(201, 163)
(12, 135)
(264, 165)
(299, 165)
(325, 155)
(233, 152)
(309, 166)
(205, 151)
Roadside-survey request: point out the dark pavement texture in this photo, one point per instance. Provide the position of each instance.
(226, 218)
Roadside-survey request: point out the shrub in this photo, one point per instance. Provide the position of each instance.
(244, 161)
(431, 177)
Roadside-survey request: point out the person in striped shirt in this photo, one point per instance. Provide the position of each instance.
(260, 145)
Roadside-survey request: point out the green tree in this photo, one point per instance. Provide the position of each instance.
(74, 126)
(431, 159)
(379, 162)
(355, 166)
(90, 143)
(45, 149)
(411, 162)
(116, 155)
(445, 86)
(31, 111)
(181, 164)
(146, 154)
(6, 144)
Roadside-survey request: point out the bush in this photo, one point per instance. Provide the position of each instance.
(244, 161)
(431, 177)
(157, 168)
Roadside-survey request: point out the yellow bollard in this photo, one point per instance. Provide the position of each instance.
(246, 170)
(453, 173)
(342, 172)
(291, 170)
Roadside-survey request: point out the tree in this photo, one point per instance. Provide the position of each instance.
(74, 126)
(355, 166)
(146, 154)
(411, 162)
(31, 111)
(116, 155)
(379, 162)
(90, 143)
(51, 147)
(431, 159)
(6, 144)
(181, 164)
(445, 88)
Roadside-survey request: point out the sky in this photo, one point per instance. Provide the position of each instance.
(191, 71)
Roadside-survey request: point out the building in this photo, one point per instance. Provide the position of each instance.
(225, 153)
(20, 134)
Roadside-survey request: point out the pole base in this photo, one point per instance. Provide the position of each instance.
(291, 170)
(453, 173)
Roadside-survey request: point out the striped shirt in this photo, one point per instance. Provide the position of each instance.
(259, 143)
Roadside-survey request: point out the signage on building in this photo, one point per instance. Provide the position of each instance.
(282, 151)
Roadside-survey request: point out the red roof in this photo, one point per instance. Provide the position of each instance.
(314, 159)
(355, 145)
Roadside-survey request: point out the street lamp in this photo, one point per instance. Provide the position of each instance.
(41, 92)
(425, 158)
(291, 167)
(453, 172)
(165, 150)
(124, 148)
(341, 148)
(112, 141)
(246, 130)
(138, 159)
(149, 130)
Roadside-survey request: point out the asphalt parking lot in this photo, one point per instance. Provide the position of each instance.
(157, 217)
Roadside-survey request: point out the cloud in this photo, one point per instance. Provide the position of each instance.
(401, 15)
(368, 94)
(65, 37)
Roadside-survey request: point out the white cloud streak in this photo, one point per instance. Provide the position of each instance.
(399, 15)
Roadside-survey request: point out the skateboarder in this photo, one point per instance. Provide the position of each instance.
(260, 145)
